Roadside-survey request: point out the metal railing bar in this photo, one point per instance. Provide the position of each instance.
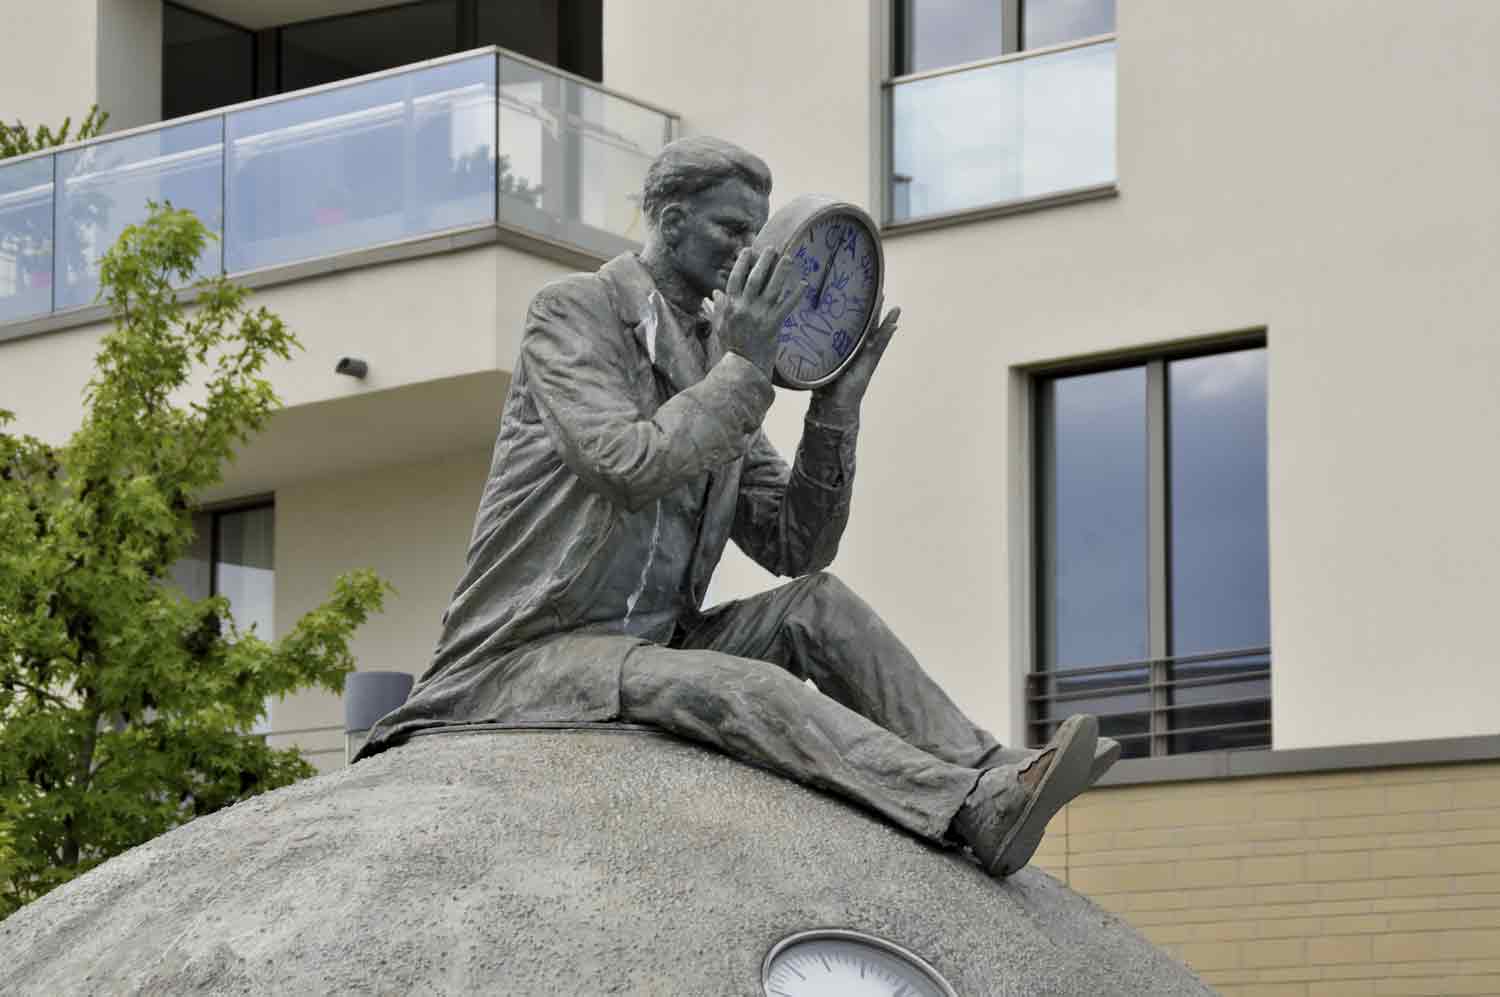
(1030, 53)
(1144, 663)
(1197, 682)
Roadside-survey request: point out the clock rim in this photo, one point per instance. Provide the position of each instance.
(853, 935)
(791, 222)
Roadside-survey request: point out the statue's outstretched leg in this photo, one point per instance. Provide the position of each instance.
(817, 627)
(762, 714)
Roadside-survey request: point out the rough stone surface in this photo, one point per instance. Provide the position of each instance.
(550, 863)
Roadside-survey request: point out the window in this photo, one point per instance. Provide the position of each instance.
(233, 555)
(209, 63)
(1154, 589)
(998, 101)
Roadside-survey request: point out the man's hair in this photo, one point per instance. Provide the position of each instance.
(692, 165)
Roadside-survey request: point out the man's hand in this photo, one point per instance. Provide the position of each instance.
(756, 302)
(837, 404)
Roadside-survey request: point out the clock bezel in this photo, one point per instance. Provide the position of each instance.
(852, 935)
(789, 225)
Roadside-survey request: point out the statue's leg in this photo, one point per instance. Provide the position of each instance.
(760, 713)
(816, 627)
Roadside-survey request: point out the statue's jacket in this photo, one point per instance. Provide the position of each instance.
(628, 456)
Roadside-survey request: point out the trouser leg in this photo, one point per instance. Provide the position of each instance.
(760, 713)
(816, 627)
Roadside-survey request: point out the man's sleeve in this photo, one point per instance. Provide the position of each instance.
(580, 366)
(790, 520)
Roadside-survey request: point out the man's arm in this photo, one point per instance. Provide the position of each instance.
(790, 520)
(579, 370)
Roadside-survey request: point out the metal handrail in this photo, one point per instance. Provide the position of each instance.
(1155, 680)
(1030, 53)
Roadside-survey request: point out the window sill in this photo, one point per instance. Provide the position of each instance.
(1218, 765)
(1076, 195)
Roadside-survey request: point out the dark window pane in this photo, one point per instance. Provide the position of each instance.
(317, 52)
(205, 63)
(1094, 429)
(936, 33)
(1052, 22)
(1220, 573)
(529, 27)
(190, 572)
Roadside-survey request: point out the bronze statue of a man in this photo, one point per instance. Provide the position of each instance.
(630, 452)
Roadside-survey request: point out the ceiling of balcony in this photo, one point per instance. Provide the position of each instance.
(257, 14)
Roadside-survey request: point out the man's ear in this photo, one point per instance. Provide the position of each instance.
(670, 223)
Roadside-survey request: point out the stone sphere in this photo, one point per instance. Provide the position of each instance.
(561, 862)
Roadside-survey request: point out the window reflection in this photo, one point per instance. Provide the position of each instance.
(205, 62)
(25, 239)
(1053, 22)
(932, 34)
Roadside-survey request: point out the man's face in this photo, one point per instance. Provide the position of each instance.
(711, 229)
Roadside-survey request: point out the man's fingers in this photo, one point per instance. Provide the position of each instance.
(780, 279)
(741, 271)
(790, 301)
(756, 284)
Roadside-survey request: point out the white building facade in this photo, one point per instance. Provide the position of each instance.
(1191, 421)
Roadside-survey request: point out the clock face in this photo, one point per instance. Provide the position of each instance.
(838, 257)
(846, 964)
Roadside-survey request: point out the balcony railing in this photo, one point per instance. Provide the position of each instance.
(1219, 701)
(1011, 129)
(484, 138)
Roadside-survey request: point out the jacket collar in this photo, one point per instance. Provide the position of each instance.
(641, 307)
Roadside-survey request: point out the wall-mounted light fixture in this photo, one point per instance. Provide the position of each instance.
(352, 366)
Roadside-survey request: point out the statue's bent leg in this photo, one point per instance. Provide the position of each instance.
(816, 627)
(759, 713)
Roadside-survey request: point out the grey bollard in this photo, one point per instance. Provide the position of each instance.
(368, 696)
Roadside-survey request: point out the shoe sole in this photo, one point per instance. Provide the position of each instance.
(1068, 776)
(1106, 753)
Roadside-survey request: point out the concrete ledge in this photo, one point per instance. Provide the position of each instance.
(1077, 195)
(1339, 758)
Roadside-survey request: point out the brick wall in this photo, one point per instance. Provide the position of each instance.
(1353, 884)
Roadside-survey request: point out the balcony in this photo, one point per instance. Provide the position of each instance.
(484, 142)
(1031, 127)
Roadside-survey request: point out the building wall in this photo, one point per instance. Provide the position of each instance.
(48, 67)
(1347, 884)
(129, 61)
(1314, 171)
(410, 523)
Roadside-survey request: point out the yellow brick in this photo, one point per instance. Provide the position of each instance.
(1407, 862)
(1333, 951)
(1356, 924)
(1341, 988)
(1477, 794)
(1470, 944)
(1421, 886)
(1440, 986)
(1272, 869)
(1287, 893)
(1270, 990)
(1273, 952)
(1092, 880)
(1407, 947)
(1464, 860)
(1212, 873)
(1209, 955)
(1353, 890)
(1338, 865)
(1350, 802)
(1444, 920)
(1422, 798)
(1282, 806)
(1291, 927)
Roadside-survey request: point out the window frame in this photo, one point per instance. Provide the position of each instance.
(213, 512)
(1036, 458)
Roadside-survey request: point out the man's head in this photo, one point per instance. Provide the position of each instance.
(704, 200)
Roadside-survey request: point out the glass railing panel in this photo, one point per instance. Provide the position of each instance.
(358, 166)
(105, 186)
(574, 158)
(25, 238)
(1003, 132)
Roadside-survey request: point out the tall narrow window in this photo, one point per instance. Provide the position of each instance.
(1154, 580)
(233, 555)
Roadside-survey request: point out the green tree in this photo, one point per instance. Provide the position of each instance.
(16, 140)
(125, 707)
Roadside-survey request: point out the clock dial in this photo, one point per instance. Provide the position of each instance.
(846, 964)
(837, 256)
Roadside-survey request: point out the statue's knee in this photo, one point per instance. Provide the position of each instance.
(830, 588)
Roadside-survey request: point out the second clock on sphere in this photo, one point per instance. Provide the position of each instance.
(836, 247)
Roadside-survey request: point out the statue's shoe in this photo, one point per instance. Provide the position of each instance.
(1003, 819)
(1106, 753)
